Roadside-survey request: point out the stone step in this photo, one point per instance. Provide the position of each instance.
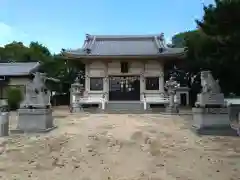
(121, 107)
(124, 112)
(124, 107)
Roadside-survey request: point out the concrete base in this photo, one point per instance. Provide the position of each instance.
(172, 110)
(212, 121)
(19, 131)
(35, 120)
(221, 131)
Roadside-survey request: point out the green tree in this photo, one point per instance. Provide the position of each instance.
(179, 40)
(13, 52)
(214, 45)
(220, 44)
(55, 66)
(38, 52)
(14, 96)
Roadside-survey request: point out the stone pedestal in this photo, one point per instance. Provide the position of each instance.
(172, 109)
(76, 107)
(210, 99)
(212, 121)
(35, 120)
(210, 117)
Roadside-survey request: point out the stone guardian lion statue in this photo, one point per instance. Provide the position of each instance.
(209, 84)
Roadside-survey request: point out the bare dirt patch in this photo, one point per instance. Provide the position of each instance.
(124, 147)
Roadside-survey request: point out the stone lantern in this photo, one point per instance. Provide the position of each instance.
(77, 90)
(171, 85)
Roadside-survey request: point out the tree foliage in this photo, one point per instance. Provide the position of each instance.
(54, 65)
(214, 45)
(179, 40)
(221, 26)
(14, 96)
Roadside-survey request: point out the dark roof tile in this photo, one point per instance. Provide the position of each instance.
(120, 45)
(18, 69)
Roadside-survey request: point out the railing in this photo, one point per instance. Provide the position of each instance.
(158, 99)
(233, 101)
(91, 99)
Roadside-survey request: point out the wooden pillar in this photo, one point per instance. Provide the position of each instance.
(187, 96)
(87, 80)
(106, 80)
(142, 78)
(161, 77)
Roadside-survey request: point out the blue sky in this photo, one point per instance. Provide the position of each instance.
(63, 24)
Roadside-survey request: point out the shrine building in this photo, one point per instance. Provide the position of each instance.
(125, 68)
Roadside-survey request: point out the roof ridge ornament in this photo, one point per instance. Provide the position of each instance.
(92, 42)
(162, 43)
(161, 37)
(87, 50)
(88, 37)
(160, 49)
(89, 42)
(86, 43)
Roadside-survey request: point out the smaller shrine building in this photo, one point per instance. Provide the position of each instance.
(16, 74)
(125, 67)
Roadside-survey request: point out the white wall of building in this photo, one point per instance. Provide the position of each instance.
(144, 69)
(19, 82)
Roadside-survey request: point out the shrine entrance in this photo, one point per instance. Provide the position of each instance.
(124, 88)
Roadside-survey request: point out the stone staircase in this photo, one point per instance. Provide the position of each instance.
(124, 107)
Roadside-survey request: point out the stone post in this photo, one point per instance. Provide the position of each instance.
(4, 123)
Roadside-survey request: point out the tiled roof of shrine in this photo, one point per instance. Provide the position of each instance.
(18, 69)
(125, 45)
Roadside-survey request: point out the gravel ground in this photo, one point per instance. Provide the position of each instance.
(118, 147)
